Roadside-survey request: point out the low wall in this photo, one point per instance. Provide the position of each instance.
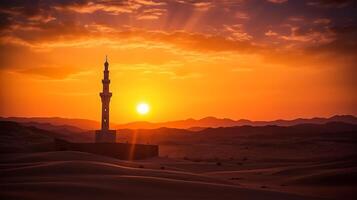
(124, 151)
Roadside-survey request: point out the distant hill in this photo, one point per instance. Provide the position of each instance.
(57, 121)
(231, 133)
(55, 128)
(333, 138)
(17, 137)
(77, 125)
(213, 122)
(301, 141)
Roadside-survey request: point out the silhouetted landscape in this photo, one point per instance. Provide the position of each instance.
(300, 161)
(192, 124)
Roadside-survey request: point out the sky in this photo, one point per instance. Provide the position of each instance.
(252, 59)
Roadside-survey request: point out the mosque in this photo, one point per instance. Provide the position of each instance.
(105, 139)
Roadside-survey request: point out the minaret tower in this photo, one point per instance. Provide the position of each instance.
(105, 135)
(105, 96)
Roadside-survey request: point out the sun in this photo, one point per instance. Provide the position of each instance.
(143, 108)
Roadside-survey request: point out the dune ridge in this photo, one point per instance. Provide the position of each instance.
(76, 175)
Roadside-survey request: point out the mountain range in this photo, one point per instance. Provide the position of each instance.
(213, 122)
(77, 125)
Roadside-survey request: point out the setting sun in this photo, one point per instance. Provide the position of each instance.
(142, 108)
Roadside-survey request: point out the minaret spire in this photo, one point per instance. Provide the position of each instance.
(105, 135)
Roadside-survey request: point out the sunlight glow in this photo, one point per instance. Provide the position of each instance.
(142, 108)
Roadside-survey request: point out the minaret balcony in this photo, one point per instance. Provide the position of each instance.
(106, 81)
(104, 94)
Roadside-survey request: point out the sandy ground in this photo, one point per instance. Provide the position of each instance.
(308, 164)
(77, 175)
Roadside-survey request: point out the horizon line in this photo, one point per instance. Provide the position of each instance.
(196, 119)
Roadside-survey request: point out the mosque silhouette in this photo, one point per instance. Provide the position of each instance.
(105, 139)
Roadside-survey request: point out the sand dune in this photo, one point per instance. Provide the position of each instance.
(321, 178)
(301, 162)
(75, 175)
(333, 177)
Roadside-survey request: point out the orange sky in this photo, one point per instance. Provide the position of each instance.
(187, 59)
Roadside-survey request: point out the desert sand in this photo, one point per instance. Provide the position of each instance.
(76, 175)
(206, 165)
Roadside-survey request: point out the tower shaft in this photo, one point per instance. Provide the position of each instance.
(105, 134)
(105, 97)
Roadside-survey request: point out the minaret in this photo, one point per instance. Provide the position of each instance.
(105, 96)
(105, 135)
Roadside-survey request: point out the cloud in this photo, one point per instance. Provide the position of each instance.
(296, 18)
(330, 3)
(54, 33)
(150, 14)
(323, 21)
(109, 6)
(271, 33)
(236, 32)
(309, 36)
(203, 6)
(91, 7)
(241, 15)
(180, 24)
(36, 47)
(150, 3)
(50, 72)
(345, 42)
(277, 1)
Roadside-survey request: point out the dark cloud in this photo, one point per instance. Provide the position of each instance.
(345, 42)
(205, 25)
(277, 1)
(5, 21)
(332, 3)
